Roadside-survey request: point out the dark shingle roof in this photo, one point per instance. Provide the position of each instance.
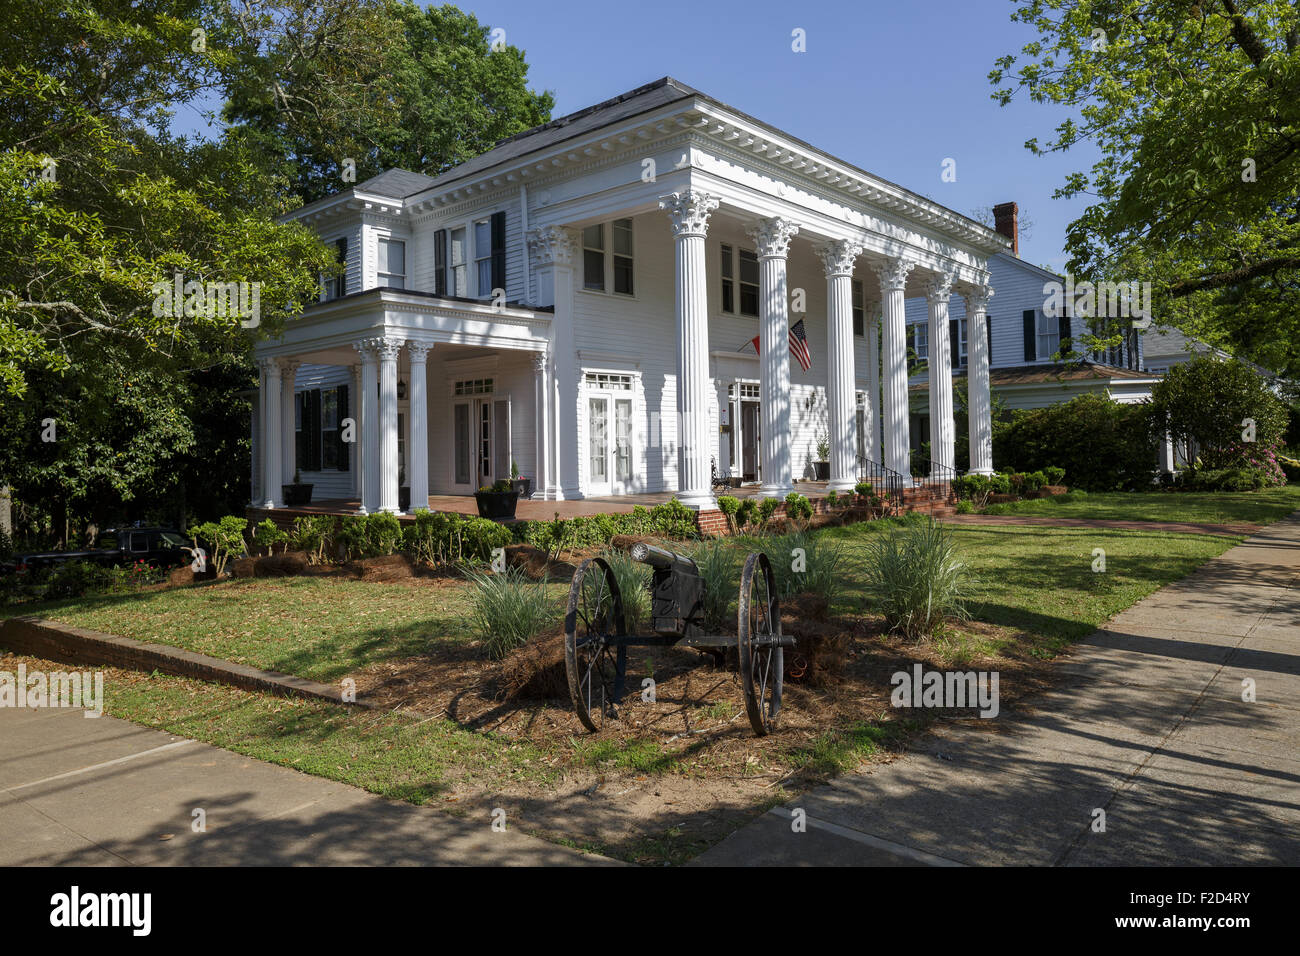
(398, 183)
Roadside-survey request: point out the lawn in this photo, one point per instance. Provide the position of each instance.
(1256, 507)
(671, 790)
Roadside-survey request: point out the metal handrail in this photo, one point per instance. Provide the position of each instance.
(884, 478)
(932, 474)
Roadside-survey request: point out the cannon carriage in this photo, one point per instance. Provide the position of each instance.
(596, 638)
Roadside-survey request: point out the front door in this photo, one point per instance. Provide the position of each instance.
(480, 442)
(749, 438)
(609, 444)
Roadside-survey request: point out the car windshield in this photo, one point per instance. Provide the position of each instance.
(173, 539)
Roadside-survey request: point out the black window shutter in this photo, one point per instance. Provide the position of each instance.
(440, 262)
(341, 281)
(338, 435)
(313, 435)
(954, 341)
(1031, 335)
(1063, 329)
(498, 250)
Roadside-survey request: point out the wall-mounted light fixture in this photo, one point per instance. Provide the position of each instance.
(401, 390)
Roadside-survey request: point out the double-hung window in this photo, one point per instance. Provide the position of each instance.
(739, 280)
(748, 282)
(607, 263)
(728, 278)
(483, 255)
(459, 259)
(336, 286)
(921, 341)
(593, 258)
(1049, 335)
(392, 264)
(859, 308)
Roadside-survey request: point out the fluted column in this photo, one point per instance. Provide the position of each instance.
(942, 428)
(288, 443)
(838, 258)
(871, 326)
(355, 458)
(418, 446)
(541, 389)
(895, 434)
(772, 237)
(551, 248)
(387, 348)
(271, 425)
(979, 401)
(368, 406)
(689, 211)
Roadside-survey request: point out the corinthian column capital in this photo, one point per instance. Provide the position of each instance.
(939, 288)
(689, 211)
(551, 245)
(772, 236)
(418, 351)
(977, 298)
(839, 256)
(382, 346)
(892, 273)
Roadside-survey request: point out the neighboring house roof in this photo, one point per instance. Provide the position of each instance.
(1057, 373)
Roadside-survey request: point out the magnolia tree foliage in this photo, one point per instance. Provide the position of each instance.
(1222, 407)
(1195, 109)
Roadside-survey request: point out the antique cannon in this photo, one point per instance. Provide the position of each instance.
(596, 638)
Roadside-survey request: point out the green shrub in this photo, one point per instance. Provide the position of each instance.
(917, 578)
(719, 563)
(1054, 474)
(6, 545)
(267, 535)
(864, 489)
(312, 534)
(224, 539)
(747, 513)
(508, 609)
(352, 537)
(766, 509)
(729, 505)
(442, 538)
(965, 508)
(1205, 402)
(798, 509)
(74, 579)
(672, 519)
(633, 579)
(1102, 444)
(1223, 479)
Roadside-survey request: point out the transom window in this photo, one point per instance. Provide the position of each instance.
(473, 386)
(748, 390)
(609, 380)
(392, 264)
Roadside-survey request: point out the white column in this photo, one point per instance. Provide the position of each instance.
(897, 451)
(542, 409)
(552, 251)
(271, 424)
(357, 461)
(943, 433)
(872, 410)
(388, 348)
(689, 211)
(418, 447)
(978, 398)
(368, 408)
(841, 390)
(772, 237)
(288, 445)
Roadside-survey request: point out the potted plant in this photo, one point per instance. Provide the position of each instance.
(297, 493)
(497, 501)
(521, 485)
(822, 466)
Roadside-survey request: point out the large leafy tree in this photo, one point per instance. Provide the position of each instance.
(1195, 109)
(382, 83)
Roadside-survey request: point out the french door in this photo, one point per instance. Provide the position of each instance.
(480, 442)
(609, 444)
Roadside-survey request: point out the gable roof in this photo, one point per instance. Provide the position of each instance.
(397, 183)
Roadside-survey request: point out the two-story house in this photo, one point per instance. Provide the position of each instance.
(613, 301)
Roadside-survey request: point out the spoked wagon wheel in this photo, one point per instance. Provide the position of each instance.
(762, 659)
(595, 655)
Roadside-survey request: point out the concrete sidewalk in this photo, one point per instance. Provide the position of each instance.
(103, 791)
(1149, 726)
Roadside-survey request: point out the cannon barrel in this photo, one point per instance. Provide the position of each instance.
(663, 559)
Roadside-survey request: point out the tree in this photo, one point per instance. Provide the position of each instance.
(382, 83)
(1195, 108)
(1219, 408)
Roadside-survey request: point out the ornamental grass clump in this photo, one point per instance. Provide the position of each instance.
(508, 609)
(633, 584)
(918, 578)
(718, 562)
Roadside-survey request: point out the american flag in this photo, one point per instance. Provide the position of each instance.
(798, 345)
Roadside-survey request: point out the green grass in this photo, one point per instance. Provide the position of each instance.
(1256, 507)
(321, 629)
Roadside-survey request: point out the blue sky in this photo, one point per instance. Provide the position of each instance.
(892, 87)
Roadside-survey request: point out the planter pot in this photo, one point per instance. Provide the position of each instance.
(404, 500)
(496, 504)
(822, 470)
(523, 487)
(296, 494)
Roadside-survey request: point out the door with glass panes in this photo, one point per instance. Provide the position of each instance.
(610, 432)
(480, 441)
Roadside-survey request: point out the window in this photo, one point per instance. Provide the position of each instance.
(440, 262)
(318, 439)
(957, 329)
(728, 279)
(459, 284)
(593, 258)
(748, 282)
(461, 430)
(329, 428)
(392, 264)
(921, 341)
(748, 391)
(609, 380)
(621, 233)
(1049, 335)
(483, 255)
(336, 286)
(473, 386)
(859, 308)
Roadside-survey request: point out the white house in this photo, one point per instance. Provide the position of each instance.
(581, 301)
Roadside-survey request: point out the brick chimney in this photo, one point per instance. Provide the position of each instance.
(1006, 220)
